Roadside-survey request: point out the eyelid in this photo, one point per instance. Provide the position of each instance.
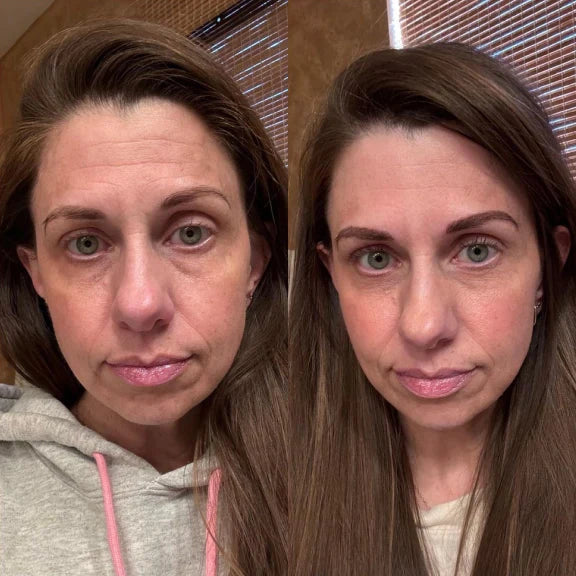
(359, 252)
(190, 217)
(479, 239)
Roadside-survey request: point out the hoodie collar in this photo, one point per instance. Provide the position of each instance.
(34, 416)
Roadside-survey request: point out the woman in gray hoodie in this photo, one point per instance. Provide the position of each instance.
(142, 293)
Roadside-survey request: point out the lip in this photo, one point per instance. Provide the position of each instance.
(440, 384)
(147, 363)
(140, 372)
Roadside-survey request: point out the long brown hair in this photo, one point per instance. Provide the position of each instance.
(123, 62)
(352, 498)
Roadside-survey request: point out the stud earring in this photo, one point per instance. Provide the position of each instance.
(537, 308)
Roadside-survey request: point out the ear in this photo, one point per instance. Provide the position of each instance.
(259, 257)
(563, 242)
(29, 260)
(325, 255)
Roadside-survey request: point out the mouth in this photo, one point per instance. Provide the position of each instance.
(154, 372)
(438, 385)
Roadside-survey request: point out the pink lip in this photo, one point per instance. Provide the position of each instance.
(159, 371)
(439, 385)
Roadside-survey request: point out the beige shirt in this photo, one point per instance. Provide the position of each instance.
(441, 528)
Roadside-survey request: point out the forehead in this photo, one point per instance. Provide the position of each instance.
(425, 179)
(144, 152)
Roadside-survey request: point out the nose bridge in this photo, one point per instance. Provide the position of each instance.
(427, 315)
(142, 299)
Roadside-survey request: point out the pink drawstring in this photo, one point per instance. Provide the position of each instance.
(211, 517)
(113, 542)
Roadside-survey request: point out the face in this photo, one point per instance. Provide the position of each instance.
(435, 259)
(143, 256)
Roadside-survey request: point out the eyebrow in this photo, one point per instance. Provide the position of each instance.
(364, 234)
(189, 195)
(477, 220)
(467, 223)
(176, 199)
(73, 213)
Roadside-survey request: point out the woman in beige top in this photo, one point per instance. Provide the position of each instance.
(432, 326)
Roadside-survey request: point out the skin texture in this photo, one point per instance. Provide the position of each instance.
(431, 307)
(144, 293)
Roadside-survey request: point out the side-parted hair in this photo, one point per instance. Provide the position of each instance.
(352, 497)
(121, 63)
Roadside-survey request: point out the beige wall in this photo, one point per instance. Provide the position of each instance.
(183, 15)
(323, 37)
(61, 14)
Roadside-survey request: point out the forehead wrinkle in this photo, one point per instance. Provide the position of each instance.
(75, 156)
(135, 153)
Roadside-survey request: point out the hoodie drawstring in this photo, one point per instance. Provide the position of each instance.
(211, 517)
(113, 542)
(111, 528)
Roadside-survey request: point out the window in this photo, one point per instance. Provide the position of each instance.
(538, 38)
(250, 39)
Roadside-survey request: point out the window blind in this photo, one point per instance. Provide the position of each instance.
(250, 39)
(538, 38)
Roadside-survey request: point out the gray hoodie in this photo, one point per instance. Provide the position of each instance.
(53, 517)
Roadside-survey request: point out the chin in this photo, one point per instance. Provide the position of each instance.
(441, 418)
(158, 412)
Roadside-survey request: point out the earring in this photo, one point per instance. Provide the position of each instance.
(537, 308)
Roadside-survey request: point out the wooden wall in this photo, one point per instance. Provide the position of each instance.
(324, 36)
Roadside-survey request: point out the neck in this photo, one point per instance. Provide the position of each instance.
(444, 462)
(164, 446)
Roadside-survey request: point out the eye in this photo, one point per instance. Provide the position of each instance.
(190, 235)
(375, 260)
(479, 251)
(85, 245)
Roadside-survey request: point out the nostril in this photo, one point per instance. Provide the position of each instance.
(143, 313)
(427, 323)
(142, 301)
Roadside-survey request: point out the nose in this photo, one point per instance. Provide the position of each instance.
(427, 317)
(142, 301)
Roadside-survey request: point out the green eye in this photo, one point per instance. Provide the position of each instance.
(86, 245)
(377, 260)
(191, 235)
(478, 252)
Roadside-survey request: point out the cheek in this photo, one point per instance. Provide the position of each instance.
(501, 324)
(216, 309)
(371, 322)
(214, 306)
(210, 308)
(494, 323)
(368, 319)
(79, 314)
